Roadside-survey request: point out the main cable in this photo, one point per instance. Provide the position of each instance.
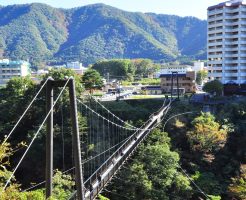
(112, 113)
(40, 127)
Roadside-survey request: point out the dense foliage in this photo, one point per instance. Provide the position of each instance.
(125, 69)
(39, 32)
(213, 87)
(206, 135)
(92, 80)
(211, 147)
(153, 173)
(208, 147)
(201, 76)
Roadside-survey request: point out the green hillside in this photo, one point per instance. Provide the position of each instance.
(39, 32)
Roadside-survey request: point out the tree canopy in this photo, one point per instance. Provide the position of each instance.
(206, 134)
(92, 80)
(214, 86)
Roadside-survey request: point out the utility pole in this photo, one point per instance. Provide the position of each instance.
(175, 73)
(108, 77)
(177, 84)
(51, 84)
(172, 86)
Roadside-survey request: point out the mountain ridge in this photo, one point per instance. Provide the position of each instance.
(97, 31)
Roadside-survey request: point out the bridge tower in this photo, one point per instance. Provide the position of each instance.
(51, 84)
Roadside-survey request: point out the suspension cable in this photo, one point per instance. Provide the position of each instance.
(112, 113)
(21, 117)
(99, 115)
(194, 182)
(34, 137)
(108, 119)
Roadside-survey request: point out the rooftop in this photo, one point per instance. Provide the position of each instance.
(228, 4)
(12, 62)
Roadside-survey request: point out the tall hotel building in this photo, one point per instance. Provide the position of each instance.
(226, 45)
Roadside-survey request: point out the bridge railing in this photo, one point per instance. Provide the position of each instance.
(97, 181)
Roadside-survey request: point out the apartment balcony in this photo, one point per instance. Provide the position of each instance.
(215, 68)
(212, 74)
(215, 37)
(242, 22)
(231, 10)
(231, 42)
(231, 49)
(215, 31)
(230, 68)
(214, 50)
(228, 55)
(231, 30)
(231, 23)
(215, 43)
(215, 25)
(242, 29)
(231, 61)
(242, 74)
(215, 12)
(234, 17)
(211, 19)
(214, 62)
(215, 56)
(231, 74)
(242, 48)
(242, 42)
(242, 67)
(236, 36)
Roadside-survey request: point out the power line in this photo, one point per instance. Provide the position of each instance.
(23, 156)
(21, 117)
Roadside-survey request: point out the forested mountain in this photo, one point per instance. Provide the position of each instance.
(90, 33)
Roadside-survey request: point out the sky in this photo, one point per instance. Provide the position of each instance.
(196, 8)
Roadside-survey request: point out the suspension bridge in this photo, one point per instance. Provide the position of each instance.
(106, 142)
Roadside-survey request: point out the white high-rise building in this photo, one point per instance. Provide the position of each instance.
(10, 69)
(227, 42)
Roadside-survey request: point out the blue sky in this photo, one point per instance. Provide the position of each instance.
(197, 8)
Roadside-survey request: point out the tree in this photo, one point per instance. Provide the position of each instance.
(117, 68)
(154, 172)
(213, 86)
(16, 87)
(201, 76)
(63, 73)
(145, 67)
(92, 80)
(237, 189)
(206, 134)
